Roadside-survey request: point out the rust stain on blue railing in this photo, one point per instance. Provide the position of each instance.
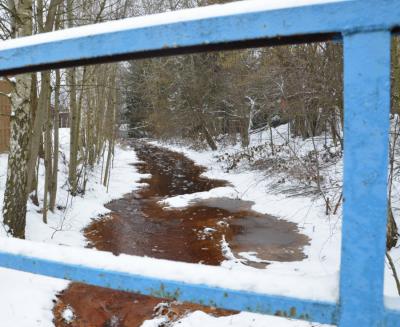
(365, 27)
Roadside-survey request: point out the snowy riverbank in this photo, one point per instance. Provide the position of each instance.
(315, 277)
(321, 267)
(26, 299)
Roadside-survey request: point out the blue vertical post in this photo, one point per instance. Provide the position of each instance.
(366, 128)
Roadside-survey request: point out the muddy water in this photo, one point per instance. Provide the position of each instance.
(139, 225)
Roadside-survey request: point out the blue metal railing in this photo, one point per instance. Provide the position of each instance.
(365, 28)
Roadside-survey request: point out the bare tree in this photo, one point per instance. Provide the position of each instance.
(15, 196)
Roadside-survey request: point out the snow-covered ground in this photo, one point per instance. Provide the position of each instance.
(26, 299)
(243, 319)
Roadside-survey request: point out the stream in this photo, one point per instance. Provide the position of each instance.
(139, 225)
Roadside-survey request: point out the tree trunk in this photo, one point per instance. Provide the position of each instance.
(15, 195)
(209, 138)
(37, 128)
(40, 113)
(47, 161)
(54, 179)
(392, 235)
(74, 133)
(74, 126)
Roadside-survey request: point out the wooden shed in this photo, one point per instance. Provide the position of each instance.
(5, 111)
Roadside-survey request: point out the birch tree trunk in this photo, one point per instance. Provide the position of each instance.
(15, 196)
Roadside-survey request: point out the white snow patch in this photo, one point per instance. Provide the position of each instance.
(181, 201)
(252, 256)
(68, 315)
(156, 322)
(243, 319)
(27, 300)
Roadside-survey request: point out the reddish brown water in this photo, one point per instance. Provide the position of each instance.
(139, 225)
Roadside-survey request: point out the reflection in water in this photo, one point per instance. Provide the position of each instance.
(139, 225)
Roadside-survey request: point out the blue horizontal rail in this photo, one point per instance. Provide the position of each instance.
(195, 293)
(323, 312)
(170, 33)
